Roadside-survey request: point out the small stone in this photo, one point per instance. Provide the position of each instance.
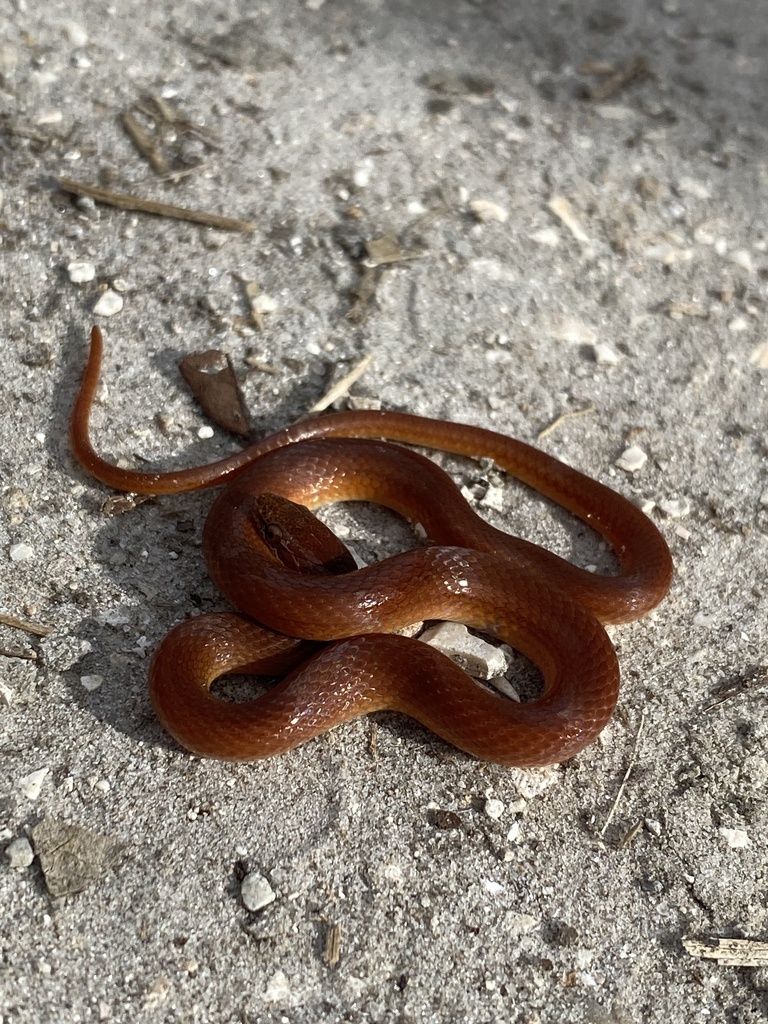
(256, 892)
(739, 324)
(20, 853)
(493, 808)
(109, 303)
(546, 236)
(477, 657)
(91, 683)
(263, 303)
(632, 459)
(605, 355)
(675, 508)
(485, 210)
(736, 838)
(759, 356)
(493, 498)
(694, 188)
(204, 433)
(742, 258)
(21, 552)
(81, 271)
(30, 785)
(278, 989)
(76, 33)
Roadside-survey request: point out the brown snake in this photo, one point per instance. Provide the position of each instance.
(506, 587)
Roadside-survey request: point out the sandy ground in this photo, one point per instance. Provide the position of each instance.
(554, 895)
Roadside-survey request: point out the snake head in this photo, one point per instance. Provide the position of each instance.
(297, 539)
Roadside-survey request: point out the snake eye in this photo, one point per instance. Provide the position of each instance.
(272, 532)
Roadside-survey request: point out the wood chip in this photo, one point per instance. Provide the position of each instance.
(29, 627)
(211, 378)
(342, 386)
(634, 70)
(729, 952)
(571, 414)
(124, 201)
(332, 952)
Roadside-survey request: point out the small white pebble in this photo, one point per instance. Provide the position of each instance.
(632, 459)
(30, 785)
(736, 838)
(513, 835)
(764, 499)
(605, 355)
(21, 552)
(361, 175)
(739, 324)
(76, 33)
(494, 888)
(653, 825)
(81, 271)
(675, 508)
(256, 892)
(205, 432)
(759, 355)
(493, 498)
(91, 683)
(485, 210)
(546, 236)
(494, 808)
(476, 656)
(20, 853)
(742, 258)
(694, 188)
(109, 303)
(682, 533)
(263, 303)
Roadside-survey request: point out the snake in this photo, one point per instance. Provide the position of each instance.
(329, 631)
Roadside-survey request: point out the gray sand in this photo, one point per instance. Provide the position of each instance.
(567, 897)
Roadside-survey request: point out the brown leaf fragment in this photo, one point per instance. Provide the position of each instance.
(388, 249)
(72, 857)
(634, 70)
(211, 379)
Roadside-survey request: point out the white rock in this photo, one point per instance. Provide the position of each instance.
(546, 236)
(485, 210)
(30, 785)
(76, 33)
(742, 258)
(256, 892)
(736, 838)
(109, 304)
(263, 303)
(694, 188)
(739, 324)
(20, 853)
(81, 271)
(759, 355)
(632, 459)
(493, 498)
(278, 988)
(605, 355)
(476, 656)
(494, 808)
(675, 508)
(21, 552)
(91, 683)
